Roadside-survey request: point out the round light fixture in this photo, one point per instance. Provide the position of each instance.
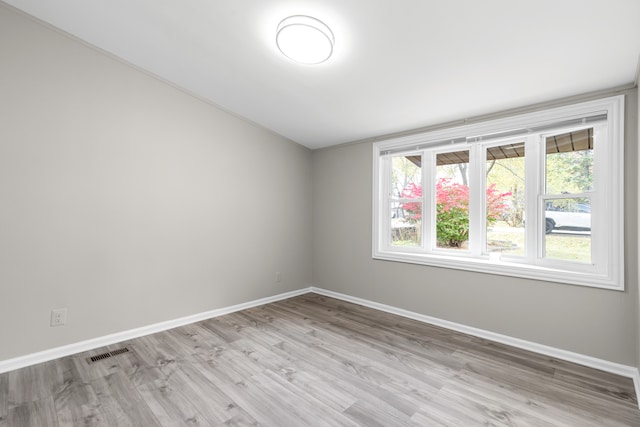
(304, 39)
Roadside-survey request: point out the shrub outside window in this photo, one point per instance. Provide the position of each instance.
(538, 195)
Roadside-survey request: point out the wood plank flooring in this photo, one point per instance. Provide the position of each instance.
(314, 361)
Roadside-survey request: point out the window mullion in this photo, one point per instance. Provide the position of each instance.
(477, 215)
(427, 203)
(534, 165)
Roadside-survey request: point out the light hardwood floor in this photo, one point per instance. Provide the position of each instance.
(314, 361)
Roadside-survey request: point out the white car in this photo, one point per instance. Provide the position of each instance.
(577, 217)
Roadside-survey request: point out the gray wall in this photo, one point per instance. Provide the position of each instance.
(130, 202)
(595, 322)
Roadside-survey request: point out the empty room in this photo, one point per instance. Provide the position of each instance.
(319, 213)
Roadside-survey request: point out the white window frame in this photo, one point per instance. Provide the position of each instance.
(607, 267)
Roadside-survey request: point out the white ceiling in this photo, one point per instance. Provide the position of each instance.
(397, 64)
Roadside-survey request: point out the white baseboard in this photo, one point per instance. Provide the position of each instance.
(569, 356)
(67, 350)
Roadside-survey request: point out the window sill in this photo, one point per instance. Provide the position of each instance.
(504, 268)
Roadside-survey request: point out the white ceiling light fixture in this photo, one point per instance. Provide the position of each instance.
(304, 39)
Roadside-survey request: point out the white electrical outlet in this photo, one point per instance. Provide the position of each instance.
(59, 317)
(278, 277)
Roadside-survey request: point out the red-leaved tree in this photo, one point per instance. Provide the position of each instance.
(452, 209)
(412, 191)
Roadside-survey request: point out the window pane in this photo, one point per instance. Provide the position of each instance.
(406, 206)
(452, 199)
(568, 229)
(569, 162)
(406, 230)
(506, 199)
(406, 177)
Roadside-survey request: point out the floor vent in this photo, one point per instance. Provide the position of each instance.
(119, 351)
(99, 357)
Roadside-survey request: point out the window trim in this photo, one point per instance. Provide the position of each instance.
(611, 275)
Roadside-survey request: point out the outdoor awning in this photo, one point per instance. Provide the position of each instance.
(563, 143)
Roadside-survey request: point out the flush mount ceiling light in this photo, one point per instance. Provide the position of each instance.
(304, 39)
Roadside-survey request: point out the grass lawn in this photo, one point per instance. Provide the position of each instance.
(564, 245)
(558, 245)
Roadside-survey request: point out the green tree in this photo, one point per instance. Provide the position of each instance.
(452, 209)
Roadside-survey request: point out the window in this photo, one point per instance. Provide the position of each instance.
(538, 195)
